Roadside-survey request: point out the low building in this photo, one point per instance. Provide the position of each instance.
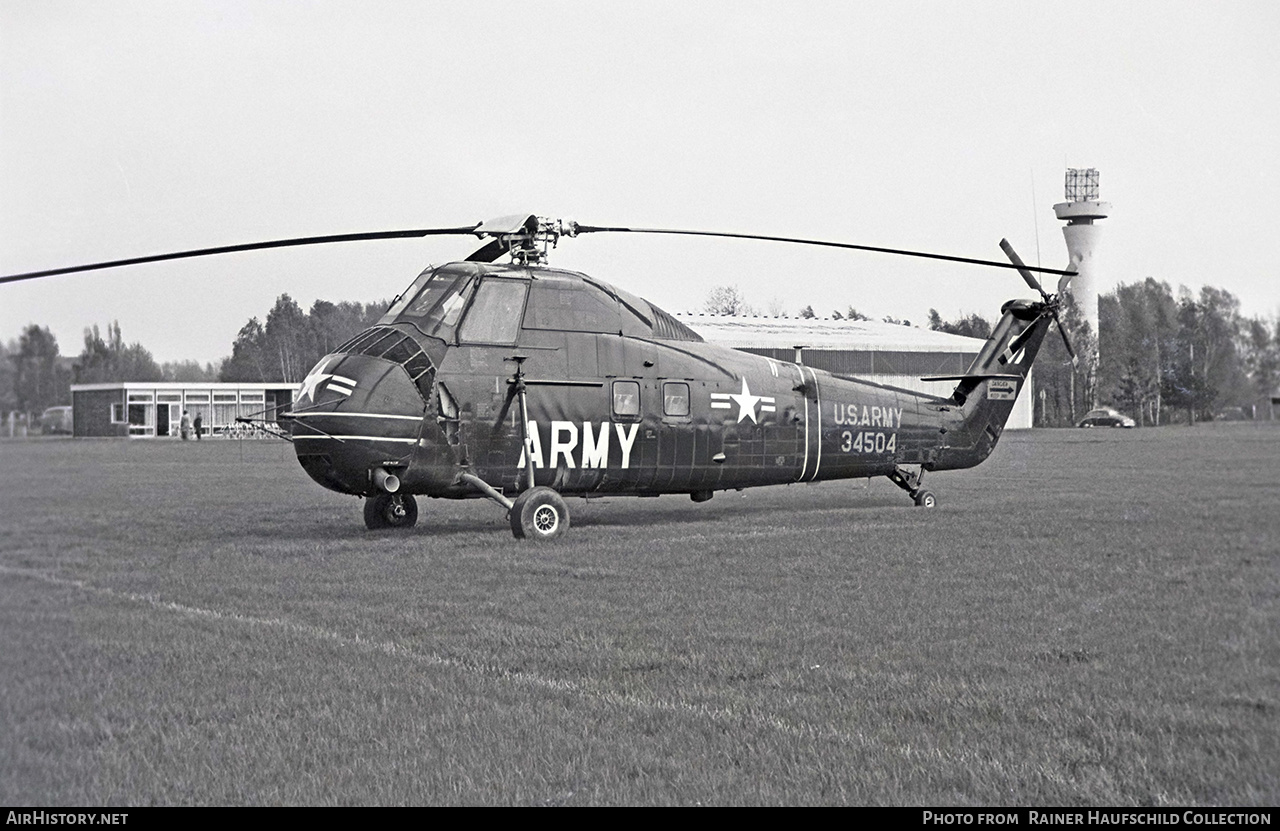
(884, 353)
(147, 409)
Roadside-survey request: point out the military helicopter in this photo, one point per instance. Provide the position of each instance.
(523, 384)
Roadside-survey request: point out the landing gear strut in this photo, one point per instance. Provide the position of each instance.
(909, 481)
(539, 512)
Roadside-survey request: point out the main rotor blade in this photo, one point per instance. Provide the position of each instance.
(490, 251)
(250, 246)
(1022, 268)
(587, 229)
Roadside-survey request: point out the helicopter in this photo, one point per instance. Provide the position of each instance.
(522, 384)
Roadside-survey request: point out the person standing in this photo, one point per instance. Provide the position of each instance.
(198, 423)
(184, 426)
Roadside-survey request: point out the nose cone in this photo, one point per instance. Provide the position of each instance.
(355, 414)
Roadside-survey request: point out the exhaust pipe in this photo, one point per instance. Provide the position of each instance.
(388, 482)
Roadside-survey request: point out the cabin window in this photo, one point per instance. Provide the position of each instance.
(675, 398)
(626, 398)
(417, 364)
(494, 316)
(360, 341)
(569, 305)
(374, 347)
(401, 351)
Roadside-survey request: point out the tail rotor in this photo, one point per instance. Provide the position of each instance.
(1051, 301)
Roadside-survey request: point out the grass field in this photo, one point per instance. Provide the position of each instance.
(1089, 618)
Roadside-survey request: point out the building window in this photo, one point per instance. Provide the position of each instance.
(626, 398)
(675, 398)
(224, 415)
(117, 414)
(200, 411)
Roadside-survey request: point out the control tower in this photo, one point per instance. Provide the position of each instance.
(1081, 211)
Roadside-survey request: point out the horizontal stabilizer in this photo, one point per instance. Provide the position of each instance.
(979, 376)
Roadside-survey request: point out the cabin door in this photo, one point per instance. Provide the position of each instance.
(812, 436)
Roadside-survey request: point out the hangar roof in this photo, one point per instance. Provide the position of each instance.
(824, 333)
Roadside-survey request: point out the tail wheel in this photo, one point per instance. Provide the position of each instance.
(390, 510)
(925, 499)
(539, 514)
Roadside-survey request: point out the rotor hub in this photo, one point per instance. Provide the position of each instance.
(527, 238)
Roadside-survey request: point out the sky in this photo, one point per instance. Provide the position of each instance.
(136, 128)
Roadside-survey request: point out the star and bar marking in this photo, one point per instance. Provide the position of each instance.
(337, 383)
(746, 402)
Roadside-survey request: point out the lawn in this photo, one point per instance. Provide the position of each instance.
(1089, 618)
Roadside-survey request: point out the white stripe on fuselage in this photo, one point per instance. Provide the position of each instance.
(359, 438)
(358, 415)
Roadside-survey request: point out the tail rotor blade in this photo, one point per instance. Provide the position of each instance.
(1066, 341)
(1022, 269)
(1035, 284)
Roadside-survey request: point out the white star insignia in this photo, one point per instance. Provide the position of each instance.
(746, 402)
(309, 385)
(316, 377)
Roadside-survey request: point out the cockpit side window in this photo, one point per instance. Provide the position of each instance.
(495, 313)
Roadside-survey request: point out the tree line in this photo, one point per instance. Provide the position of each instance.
(1165, 356)
(291, 341)
(35, 375)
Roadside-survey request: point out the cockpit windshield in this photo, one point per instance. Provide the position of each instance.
(435, 301)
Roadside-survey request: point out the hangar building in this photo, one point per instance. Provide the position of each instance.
(885, 353)
(147, 409)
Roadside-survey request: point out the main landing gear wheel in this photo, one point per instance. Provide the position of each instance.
(539, 514)
(390, 510)
(925, 499)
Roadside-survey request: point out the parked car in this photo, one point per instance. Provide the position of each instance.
(56, 421)
(1106, 417)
